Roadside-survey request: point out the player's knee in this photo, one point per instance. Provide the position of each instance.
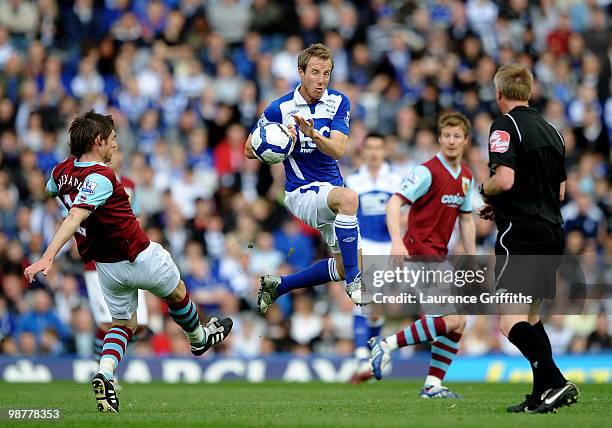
(178, 294)
(349, 202)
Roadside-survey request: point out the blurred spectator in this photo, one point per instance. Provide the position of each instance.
(230, 18)
(41, 317)
(600, 339)
(305, 324)
(559, 334)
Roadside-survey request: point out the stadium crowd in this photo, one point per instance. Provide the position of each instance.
(186, 80)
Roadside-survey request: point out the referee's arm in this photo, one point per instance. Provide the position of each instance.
(501, 181)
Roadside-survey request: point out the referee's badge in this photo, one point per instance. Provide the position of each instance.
(465, 184)
(499, 141)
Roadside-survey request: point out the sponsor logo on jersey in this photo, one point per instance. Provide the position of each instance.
(499, 142)
(89, 187)
(465, 184)
(456, 199)
(374, 203)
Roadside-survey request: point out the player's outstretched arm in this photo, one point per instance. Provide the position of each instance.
(394, 207)
(467, 228)
(64, 233)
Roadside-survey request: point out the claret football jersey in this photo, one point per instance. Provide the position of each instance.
(111, 233)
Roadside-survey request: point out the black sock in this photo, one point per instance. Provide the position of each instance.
(533, 346)
(540, 329)
(557, 373)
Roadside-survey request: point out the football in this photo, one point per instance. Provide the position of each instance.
(272, 143)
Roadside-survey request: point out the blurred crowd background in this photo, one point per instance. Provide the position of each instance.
(186, 80)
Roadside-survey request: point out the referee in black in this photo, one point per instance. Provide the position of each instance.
(523, 196)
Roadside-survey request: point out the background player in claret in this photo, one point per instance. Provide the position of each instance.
(319, 119)
(101, 314)
(374, 182)
(438, 192)
(107, 232)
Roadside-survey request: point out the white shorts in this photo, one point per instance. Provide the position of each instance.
(98, 306)
(309, 204)
(375, 248)
(153, 270)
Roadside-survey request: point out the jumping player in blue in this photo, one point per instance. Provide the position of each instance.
(318, 119)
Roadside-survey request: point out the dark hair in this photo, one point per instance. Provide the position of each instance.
(85, 129)
(375, 135)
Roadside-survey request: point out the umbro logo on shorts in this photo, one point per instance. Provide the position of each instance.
(349, 239)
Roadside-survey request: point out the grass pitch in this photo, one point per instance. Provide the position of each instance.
(276, 404)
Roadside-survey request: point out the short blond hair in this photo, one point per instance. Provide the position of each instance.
(454, 118)
(317, 50)
(514, 81)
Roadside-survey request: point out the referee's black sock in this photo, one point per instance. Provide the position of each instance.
(540, 328)
(559, 378)
(533, 346)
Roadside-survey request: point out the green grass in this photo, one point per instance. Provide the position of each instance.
(276, 404)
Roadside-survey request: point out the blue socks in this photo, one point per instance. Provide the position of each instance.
(347, 233)
(361, 331)
(325, 271)
(321, 272)
(365, 328)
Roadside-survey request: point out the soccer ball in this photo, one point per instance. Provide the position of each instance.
(272, 143)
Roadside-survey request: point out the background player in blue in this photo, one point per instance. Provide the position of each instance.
(374, 183)
(318, 118)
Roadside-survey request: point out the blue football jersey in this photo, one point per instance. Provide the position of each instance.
(307, 163)
(373, 197)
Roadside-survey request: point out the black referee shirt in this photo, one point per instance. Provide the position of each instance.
(534, 149)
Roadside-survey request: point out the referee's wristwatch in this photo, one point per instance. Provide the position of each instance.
(481, 191)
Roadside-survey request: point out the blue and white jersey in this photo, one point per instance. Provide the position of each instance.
(373, 197)
(307, 163)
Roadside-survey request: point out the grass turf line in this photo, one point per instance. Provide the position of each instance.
(277, 404)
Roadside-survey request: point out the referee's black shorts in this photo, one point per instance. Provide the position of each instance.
(527, 256)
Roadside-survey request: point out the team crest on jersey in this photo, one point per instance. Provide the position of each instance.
(499, 142)
(89, 187)
(465, 184)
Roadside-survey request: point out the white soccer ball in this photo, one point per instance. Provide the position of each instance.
(272, 143)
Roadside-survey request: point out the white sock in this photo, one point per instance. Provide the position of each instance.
(392, 342)
(362, 353)
(196, 336)
(107, 368)
(432, 381)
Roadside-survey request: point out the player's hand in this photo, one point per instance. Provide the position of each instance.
(399, 253)
(292, 132)
(42, 265)
(306, 126)
(486, 212)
